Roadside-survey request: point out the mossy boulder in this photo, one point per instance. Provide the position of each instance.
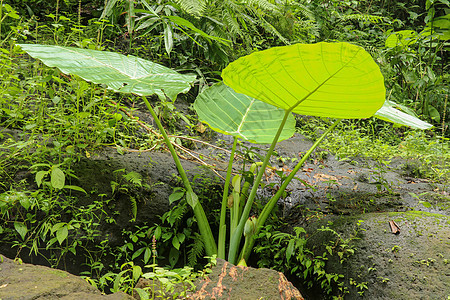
(26, 282)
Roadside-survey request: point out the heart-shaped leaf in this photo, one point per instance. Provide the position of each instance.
(337, 80)
(57, 178)
(126, 74)
(242, 116)
(388, 113)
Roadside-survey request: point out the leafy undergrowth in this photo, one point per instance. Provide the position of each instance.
(381, 142)
(50, 120)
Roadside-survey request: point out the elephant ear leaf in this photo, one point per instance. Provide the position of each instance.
(337, 80)
(235, 114)
(126, 74)
(388, 113)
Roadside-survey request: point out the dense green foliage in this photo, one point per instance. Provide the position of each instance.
(49, 121)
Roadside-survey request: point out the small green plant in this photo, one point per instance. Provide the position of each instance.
(395, 249)
(169, 283)
(289, 252)
(57, 177)
(362, 286)
(383, 279)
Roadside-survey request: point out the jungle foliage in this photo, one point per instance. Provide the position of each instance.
(49, 120)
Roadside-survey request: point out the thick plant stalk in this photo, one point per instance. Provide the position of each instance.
(237, 234)
(246, 251)
(234, 208)
(223, 209)
(202, 221)
(246, 186)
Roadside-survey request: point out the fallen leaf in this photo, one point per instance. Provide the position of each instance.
(395, 229)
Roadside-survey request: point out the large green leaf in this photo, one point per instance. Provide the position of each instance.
(127, 74)
(337, 80)
(388, 113)
(242, 116)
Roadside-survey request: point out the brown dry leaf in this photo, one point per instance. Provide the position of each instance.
(395, 229)
(201, 128)
(325, 177)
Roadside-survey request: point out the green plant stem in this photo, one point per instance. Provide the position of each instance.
(246, 187)
(223, 209)
(234, 209)
(237, 235)
(273, 201)
(202, 221)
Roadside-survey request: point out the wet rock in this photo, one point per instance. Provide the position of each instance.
(413, 264)
(227, 281)
(26, 282)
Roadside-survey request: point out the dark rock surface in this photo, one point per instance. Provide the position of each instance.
(414, 264)
(30, 282)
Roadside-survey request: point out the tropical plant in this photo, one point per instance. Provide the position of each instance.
(336, 80)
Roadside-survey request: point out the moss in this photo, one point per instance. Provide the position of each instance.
(412, 215)
(58, 273)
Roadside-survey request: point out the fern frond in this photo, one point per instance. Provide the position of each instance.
(232, 23)
(133, 178)
(196, 251)
(363, 17)
(269, 28)
(175, 214)
(133, 207)
(263, 5)
(192, 7)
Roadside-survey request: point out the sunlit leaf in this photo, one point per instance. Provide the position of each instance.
(337, 80)
(242, 116)
(402, 38)
(388, 113)
(127, 74)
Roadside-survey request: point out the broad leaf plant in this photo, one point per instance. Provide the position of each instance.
(254, 103)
